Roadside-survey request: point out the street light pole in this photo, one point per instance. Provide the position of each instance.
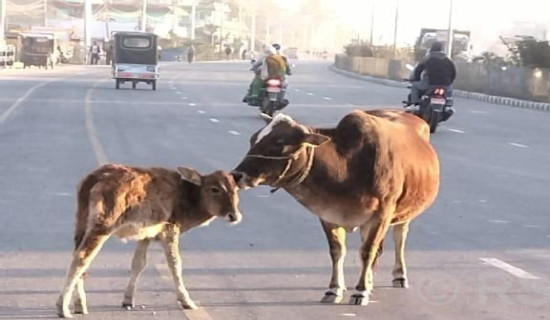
(193, 18)
(2, 20)
(253, 32)
(450, 36)
(395, 28)
(372, 23)
(46, 13)
(143, 15)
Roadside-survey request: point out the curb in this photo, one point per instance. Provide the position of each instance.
(511, 102)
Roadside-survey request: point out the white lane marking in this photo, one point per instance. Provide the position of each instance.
(348, 315)
(509, 268)
(327, 98)
(18, 102)
(456, 130)
(214, 120)
(178, 92)
(519, 145)
(478, 112)
(201, 112)
(482, 201)
(262, 196)
(311, 94)
(192, 104)
(532, 226)
(197, 314)
(184, 98)
(297, 90)
(63, 194)
(99, 152)
(233, 132)
(499, 221)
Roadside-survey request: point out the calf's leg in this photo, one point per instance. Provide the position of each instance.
(139, 262)
(80, 304)
(82, 258)
(399, 273)
(170, 242)
(336, 237)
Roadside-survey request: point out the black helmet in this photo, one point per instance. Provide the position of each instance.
(436, 46)
(276, 46)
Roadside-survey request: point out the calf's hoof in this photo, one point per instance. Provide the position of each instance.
(63, 312)
(359, 299)
(80, 310)
(400, 283)
(331, 297)
(188, 305)
(128, 305)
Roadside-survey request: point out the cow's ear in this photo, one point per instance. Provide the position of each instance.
(316, 139)
(190, 175)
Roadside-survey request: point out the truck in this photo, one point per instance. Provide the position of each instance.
(461, 42)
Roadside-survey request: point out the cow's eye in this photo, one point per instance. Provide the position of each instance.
(215, 190)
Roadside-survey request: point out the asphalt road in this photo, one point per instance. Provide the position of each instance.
(481, 252)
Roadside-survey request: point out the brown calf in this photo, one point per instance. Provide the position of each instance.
(143, 204)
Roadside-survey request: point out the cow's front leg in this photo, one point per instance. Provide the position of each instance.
(170, 242)
(336, 237)
(372, 235)
(400, 232)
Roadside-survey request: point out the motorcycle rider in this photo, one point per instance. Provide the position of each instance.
(270, 65)
(278, 47)
(436, 69)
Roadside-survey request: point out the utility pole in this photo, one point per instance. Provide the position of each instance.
(87, 25)
(2, 20)
(372, 23)
(395, 28)
(253, 32)
(193, 18)
(143, 23)
(450, 36)
(46, 13)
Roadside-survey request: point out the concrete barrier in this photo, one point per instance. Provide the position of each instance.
(512, 86)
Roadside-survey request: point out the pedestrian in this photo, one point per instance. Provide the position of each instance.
(228, 52)
(190, 53)
(95, 50)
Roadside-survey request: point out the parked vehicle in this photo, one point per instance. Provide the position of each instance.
(38, 49)
(135, 59)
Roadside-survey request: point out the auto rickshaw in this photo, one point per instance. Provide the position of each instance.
(38, 49)
(135, 59)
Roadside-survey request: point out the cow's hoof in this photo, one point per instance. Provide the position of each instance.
(400, 283)
(63, 313)
(359, 299)
(331, 297)
(188, 305)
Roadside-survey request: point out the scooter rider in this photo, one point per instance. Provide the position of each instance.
(436, 69)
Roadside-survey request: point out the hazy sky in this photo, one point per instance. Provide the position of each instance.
(485, 18)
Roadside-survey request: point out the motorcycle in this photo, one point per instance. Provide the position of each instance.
(435, 105)
(271, 97)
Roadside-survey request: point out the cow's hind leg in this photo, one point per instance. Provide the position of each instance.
(80, 304)
(82, 258)
(170, 242)
(139, 262)
(399, 273)
(336, 237)
(372, 235)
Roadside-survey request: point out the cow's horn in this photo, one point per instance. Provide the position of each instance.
(266, 117)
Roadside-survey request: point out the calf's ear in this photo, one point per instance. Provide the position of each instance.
(315, 139)
(190, 175)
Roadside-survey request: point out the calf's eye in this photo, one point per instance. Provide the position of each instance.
(215, 190)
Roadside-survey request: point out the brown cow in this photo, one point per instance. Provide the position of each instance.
(375, 169)
(143, 204)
